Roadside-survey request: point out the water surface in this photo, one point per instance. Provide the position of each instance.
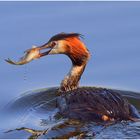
(35, 115)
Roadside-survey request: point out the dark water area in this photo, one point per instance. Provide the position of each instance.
(34, 115)
(111, 30)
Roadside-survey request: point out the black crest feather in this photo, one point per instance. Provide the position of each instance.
(62, 36)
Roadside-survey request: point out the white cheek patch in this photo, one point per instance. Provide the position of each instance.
(54, 51)
(58, 49)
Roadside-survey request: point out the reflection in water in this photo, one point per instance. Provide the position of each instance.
(67, 129)
(35, 115)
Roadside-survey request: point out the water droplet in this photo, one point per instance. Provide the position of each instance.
(25, 73)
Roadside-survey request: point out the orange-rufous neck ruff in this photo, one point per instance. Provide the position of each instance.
(79, 56)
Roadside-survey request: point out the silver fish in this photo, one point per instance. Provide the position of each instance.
(30, 55)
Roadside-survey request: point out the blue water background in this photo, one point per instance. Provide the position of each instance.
(112, 34)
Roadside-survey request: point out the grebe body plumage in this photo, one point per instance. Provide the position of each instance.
(95, 104)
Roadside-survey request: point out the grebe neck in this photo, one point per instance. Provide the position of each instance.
(71, 81)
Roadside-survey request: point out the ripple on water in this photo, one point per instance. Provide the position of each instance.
(37, 111)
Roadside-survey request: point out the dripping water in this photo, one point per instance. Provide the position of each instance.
(25, 74)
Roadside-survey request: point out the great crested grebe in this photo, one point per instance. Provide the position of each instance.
(84, 103)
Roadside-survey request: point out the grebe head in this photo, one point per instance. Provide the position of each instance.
(70, 45)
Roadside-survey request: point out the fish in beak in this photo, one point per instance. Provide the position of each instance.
(30, 55)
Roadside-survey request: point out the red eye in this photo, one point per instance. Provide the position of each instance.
(53, 44)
